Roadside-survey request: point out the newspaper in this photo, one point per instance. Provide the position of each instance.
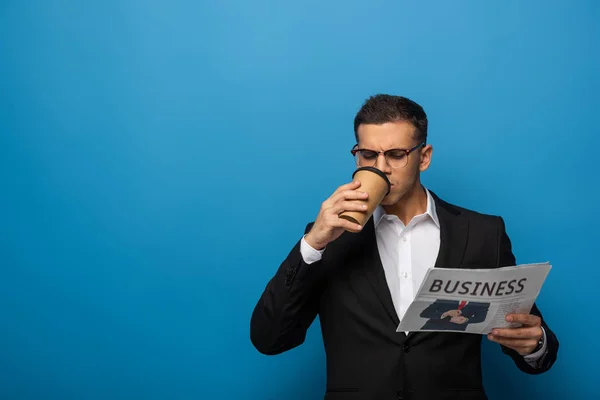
(473, 300)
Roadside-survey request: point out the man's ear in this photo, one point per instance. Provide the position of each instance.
(426, 152)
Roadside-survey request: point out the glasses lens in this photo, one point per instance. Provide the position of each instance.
(366, 158)
(396, 158)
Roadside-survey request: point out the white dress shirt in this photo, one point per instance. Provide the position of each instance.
(406, 252)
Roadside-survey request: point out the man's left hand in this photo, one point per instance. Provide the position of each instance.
(524, 339)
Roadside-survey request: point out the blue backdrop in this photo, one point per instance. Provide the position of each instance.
(158, 159)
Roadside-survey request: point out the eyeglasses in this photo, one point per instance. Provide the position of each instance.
(396, 158)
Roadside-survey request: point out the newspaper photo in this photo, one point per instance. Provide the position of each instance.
(473, 300)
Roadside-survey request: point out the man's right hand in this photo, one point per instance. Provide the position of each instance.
(451, 313)
(328, 226)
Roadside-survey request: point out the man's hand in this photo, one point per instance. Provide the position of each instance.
(524, 339)
(459, 320)
(328, 226)
(451, 313)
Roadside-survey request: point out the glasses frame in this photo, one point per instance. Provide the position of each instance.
(355, 150)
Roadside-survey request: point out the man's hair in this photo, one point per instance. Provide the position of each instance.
(382, 108)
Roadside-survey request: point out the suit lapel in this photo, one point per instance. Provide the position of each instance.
(374, 271)
(454, 232)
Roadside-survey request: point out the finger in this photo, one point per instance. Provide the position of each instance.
(348, 186)
(345, 224)
(345, 195)
(350, 195)
(348, 206)
(525, 345)
(525, 319)
(332, 198)
(523, 333)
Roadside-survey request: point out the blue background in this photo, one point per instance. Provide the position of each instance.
(158, 159)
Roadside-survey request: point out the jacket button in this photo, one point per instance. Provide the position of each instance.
(406, 348)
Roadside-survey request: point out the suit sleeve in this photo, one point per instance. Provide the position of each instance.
(507, 258)
(288, 305)
(434, 310)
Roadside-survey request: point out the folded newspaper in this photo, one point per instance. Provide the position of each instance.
(473, 300)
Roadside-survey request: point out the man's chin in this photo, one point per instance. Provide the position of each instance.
(389, 200)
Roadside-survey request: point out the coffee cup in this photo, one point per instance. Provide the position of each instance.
(377, 185)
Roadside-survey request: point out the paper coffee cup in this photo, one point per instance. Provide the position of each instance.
(377, 185)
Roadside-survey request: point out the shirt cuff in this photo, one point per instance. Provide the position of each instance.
(533, 358)
(309, 254)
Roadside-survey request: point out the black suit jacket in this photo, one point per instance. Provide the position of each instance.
(366, 357)
(474, 311)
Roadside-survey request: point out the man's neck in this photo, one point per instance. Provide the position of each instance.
(412, 204)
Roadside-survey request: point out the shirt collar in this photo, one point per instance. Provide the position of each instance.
(379, 212)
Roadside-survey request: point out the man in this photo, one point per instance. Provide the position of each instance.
(452, 315)
(361, 284)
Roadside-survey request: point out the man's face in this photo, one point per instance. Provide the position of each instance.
(395, 135)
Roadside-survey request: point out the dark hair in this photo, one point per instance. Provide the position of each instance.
(383, 108)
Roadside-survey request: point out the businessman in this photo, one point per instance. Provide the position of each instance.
(361, 284)
(453, 315)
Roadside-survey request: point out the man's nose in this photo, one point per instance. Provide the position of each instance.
(382, 164)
